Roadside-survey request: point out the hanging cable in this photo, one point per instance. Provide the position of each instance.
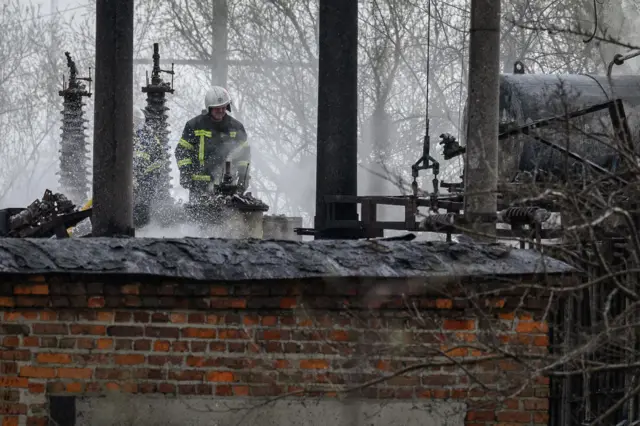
(428, 58)
(595, 23)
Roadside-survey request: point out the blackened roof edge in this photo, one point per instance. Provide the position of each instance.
(240, 260)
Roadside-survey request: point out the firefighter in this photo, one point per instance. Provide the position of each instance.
(208, 141)
(147, 165)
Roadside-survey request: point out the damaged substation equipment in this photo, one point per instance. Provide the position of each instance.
(228, 206)
(74, 174)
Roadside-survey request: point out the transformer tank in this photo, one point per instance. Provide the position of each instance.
(589, 132)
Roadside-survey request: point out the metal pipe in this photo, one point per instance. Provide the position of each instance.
(481, 172)
(337, 162)
(619, 59)
(113, 129)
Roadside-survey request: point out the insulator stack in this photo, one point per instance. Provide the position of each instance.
(156, 121)
(74, 172)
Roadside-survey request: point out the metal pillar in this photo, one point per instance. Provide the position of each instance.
(481, 172)
(337, 161)
(220, 30)
(74, 150)
(113, 129)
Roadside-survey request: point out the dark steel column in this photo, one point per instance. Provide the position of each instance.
(113, 128)
(220, 30)
(337, 160)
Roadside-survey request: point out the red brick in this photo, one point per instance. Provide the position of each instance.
(36, 387)
(314, 364)
(340, 336)
(481, 416)
(10, 421)
(7, 302)
(104, 316)
(75, 373)
(288, 302)
(220, 376)
(73, 387)
(30, 341)
(444, 303)
(8, 368)
(96, 302)
(513, 416)
(88, 329)
(532, 327)
(129, 359)
(37, 372)
(541, 418)
(237, 303)
(281, 363)
(218, 290)
(180, 346)
(224, 390)
(178, 318)
(232, 334)
(269, 321)
(104, 344)
(250, 320)
(52, 358)
(161, 346)
(199, 333)
(130, 289)
(13, 382)
(536, 404)
(35, 289)
(45, 328)
(241, 390)
(37, 421)
(459, 324)
(11, 342)
(13, 408)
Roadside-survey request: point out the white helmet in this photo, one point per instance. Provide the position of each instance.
(138, 119)
(217, 97)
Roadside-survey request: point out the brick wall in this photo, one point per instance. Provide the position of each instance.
(99, 335)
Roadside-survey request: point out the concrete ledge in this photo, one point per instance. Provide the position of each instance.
(240, 260)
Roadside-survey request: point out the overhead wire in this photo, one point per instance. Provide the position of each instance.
(58, 12)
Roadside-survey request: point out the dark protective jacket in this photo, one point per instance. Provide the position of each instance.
(204, 148)
(148, 159)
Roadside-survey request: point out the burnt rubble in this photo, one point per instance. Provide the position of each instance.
(239, 260)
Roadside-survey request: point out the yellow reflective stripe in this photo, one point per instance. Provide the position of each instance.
(201, 177)
(233, 134)
(185, 162)
(202, 134)
(242, 163)
(183, 143)
(153, 167)
(142, 155)
(201, 151)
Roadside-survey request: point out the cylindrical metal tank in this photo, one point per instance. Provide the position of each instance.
(525, 98)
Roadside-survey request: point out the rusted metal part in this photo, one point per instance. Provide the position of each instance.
(239, 260)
